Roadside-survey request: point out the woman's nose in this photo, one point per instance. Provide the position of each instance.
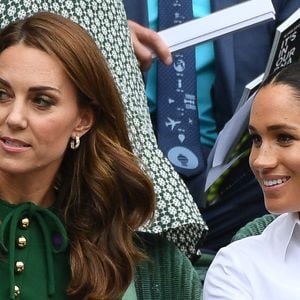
(263, 157)
(17, 115)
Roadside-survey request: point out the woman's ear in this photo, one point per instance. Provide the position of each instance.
(85, 122)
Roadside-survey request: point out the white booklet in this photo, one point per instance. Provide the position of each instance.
(219, 23)
(227, 139)
(231, 134)
(249, 89)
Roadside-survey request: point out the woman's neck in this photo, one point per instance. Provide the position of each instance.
(18, 189)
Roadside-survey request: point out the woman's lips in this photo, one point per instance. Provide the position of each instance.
(13, 145)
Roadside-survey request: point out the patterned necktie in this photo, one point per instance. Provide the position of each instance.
(177, 116)
(137, 10)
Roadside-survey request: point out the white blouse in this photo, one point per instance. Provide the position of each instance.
(261, 267)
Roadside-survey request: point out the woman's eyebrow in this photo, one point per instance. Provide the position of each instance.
(282, 126)
(251, 128)
(4, 82)
(34, 88)
(275, 127)
(43, 88)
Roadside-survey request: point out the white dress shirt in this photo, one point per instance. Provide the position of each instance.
(262, 267)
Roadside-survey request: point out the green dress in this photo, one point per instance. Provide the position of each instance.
(34, 250)
(34, 262)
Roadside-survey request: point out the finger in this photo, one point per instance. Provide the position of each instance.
(146, 42)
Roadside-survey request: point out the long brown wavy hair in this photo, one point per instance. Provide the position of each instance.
(103, 195)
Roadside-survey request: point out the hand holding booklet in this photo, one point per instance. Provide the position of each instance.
(233, 18)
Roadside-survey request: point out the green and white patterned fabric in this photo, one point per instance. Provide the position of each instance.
(177, 216)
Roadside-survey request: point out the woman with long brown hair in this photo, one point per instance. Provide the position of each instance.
(72, 193)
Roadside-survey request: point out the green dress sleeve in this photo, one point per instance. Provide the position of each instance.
(167, 274)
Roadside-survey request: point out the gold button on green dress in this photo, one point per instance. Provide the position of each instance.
(40, 270)
(36, 238)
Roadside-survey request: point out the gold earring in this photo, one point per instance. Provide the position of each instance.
(75, 142)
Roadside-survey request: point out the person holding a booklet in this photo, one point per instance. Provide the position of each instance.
(266, 266)
(223, 68)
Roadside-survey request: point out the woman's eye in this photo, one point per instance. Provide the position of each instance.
(256, 139)
(3, 95)
(43, 102)
(284, 138)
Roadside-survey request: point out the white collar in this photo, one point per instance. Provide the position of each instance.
(281, 232)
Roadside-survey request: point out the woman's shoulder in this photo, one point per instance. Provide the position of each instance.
(161, 251)
(253, 250)
(151, 242)
(166, 273)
